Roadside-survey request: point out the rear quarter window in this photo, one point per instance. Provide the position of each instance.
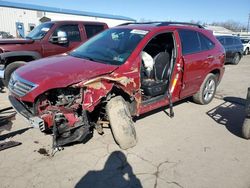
(237, 41)
(206, 43)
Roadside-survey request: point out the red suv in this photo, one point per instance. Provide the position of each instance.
(118, 74)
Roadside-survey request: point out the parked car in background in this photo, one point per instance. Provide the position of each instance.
(233, 47)
(122, 72)
(47, 39)
(246, 45)
(5, 35)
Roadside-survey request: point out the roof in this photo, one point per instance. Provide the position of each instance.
(150, 26)
(62, 11)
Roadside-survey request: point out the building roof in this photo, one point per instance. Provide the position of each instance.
(62, 11)
(219, 29)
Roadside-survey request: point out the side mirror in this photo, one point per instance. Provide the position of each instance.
(61, 38)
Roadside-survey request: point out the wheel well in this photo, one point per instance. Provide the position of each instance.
(216, 72)
(130, 100)
(18, 58)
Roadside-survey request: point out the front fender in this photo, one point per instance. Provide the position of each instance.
(6, 55)
(98, 88)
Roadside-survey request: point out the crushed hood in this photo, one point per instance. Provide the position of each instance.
(61, 71)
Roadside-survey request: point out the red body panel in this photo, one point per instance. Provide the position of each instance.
(65, 70)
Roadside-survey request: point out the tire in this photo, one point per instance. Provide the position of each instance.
(236, 59)
(121, 123)
(246, 128)
(246, 51)
(207, 90)
(10, 69)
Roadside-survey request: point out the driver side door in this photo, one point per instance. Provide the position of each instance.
(74, 37)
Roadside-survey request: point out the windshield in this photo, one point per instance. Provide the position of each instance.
(245, 41)
(112, 46)
(40, 31)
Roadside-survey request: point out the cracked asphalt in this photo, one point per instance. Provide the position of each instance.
(201, 146)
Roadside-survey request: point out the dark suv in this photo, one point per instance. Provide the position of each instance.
(233, 47)
(122, 72)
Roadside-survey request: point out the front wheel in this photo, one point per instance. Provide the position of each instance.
(207, 90)
(121, 123)
(10, 69)
(246, 51)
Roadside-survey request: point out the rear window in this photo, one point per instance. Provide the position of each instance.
(92, 30)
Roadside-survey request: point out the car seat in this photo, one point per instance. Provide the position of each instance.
(158, 85)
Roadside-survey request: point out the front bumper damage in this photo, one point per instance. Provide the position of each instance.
(62, 136)
(34, 121)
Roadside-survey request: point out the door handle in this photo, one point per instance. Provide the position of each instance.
(210, 57)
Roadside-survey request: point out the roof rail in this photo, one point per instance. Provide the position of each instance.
(165, 23)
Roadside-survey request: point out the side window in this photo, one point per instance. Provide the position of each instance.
(222, 40)
(206, 43)
(189, 41)
(72, 31)
(229, 41)
(92, 30)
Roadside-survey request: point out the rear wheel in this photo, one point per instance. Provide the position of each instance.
(236, 59)
(246, 129)
(121, 123)
(207, 90)
(10, 69)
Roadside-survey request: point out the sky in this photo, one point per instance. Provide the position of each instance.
(159, 10)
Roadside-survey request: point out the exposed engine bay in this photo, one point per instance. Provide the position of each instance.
(60, 112)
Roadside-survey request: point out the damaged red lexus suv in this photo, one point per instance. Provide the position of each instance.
(120, 73)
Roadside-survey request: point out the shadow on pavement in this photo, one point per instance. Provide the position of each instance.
(116, 173)
(14, 133)
(7, 115)
(231, 114)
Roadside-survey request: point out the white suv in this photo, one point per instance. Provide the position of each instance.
(246, 45)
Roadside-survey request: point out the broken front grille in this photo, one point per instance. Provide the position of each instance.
(19, 86)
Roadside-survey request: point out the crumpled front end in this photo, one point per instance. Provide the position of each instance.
(57, 111)
(71, 113)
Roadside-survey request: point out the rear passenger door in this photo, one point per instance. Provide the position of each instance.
(197, 57)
